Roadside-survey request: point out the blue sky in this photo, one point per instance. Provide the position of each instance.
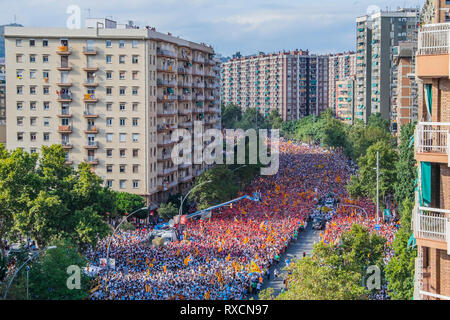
(248, 26)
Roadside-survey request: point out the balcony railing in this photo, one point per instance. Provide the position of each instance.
(168, 53)
(434, 39)
(432, 137)
(432, 224)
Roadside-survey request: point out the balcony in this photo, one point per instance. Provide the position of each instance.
(168, 69)
(90, 115)
(432, 142)
(167, 112)
(65, 114)
(199, 97)
(184, 98)
(90, 98)
(166, 83)
(66, 145)
(91, 130)
(185, 125)
(166, 53)
(167, 171)
(65, 129)
(91, 160)
(65, 97)
(64, 84)
(199, 59)
(185, 179)
(64, 67)
(184, 111)
(433, 55)
(63, 51)
(89, 51)
(90, 68)
(166, 142)
(165, 186)
(184, 84)
(164, 156)
(167, 97)
(91, 145)
(90, 83)
(166, 127)
(432, 225)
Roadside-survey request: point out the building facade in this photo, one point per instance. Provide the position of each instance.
(431, 218)
(404, 92)
(345, 97)
(2, 101)
(112, 97)
(341, 66)
(294, 83)
(377, 34)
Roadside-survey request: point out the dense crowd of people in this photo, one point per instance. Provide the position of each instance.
(227, 256)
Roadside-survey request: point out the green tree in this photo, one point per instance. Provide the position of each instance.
(128, 202)
(406, 166)
(222, 188)
(231, 115)
(48, 274)
(361, 137)
(375, 120)
(167, 210)
(368, 172)
(252, 119)
(275, 121)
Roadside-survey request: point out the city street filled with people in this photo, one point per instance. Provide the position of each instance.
(226, 256)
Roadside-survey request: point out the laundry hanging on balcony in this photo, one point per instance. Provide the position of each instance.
(426, 183)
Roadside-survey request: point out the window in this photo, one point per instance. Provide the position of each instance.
(46, 122)
(64, 121)
(33, 150)
(135, 122)
(122, 107)
(122, 168)
(33, 136)
(108, 59)
(18, 42)
(19, 74)
(122, 91)
(46, 136)
(46, 105)
(32, 43)
(45, 43)
(122, 75)
(19, 58)
(19, 136)
(135, 75)
(32, 89)
(32, 58)
(134, 43)
(135, 137)
(121, 44)
(135, 153)
(108, 75)
(33, 74)
(109, 168)
(19, 121)
(122, 59)
(135, 59)
(135, 91)
(135, 168)
(109, 91)
(109, 137)
(45, 75)
(32, 121)
(109, 183)
(19, 89)
(135, 184)
(108, 43)
(109, 153)
(122, 137)
(122, 184)
(46, 90)
(122, 153)
(109, 121)
(122, 122)
(19, 105)
(135, 107)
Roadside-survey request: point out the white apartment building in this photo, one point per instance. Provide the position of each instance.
(341, 66)
(112, 97)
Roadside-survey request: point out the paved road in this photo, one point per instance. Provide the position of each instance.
(304, 243)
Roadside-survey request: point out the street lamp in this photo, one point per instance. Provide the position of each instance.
(180, 211)
(32, 256)
(115, 230)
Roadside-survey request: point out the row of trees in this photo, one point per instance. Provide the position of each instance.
(52, 203)
(234, 118)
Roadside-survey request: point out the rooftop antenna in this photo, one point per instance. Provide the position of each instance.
(89, 12)
(14, 19)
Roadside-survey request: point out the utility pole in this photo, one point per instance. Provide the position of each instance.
(378, 186)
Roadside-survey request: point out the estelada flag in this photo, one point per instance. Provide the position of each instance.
(246, 240)
(254, 267)
(228, 258)
(187, 260)
(165, 269)
(207, 295)
(220, 249)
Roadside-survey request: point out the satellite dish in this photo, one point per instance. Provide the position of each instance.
(171, 223)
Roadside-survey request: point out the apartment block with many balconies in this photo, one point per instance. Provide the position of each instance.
(377, 35)
(112, 97)
(341, 66)
(294, 83)
(431, 218)
(345, 96)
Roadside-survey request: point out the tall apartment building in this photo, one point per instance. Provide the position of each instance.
(405, 95)
(341, 66)
(2, 101)
(345, 97)
(294, 83)
(112, 97)
(431, 218)
(377, 34)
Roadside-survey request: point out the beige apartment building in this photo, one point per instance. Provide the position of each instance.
(431, 218)
(112, 97)
(295, 83)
